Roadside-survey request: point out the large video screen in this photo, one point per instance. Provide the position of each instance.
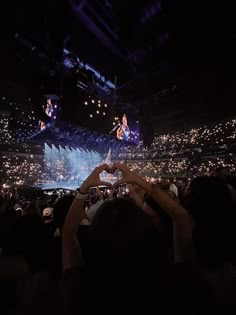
(90, 100)
(126, 130)
(101, 115)
(51, 109)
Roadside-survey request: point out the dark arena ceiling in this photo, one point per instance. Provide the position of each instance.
(173, 62)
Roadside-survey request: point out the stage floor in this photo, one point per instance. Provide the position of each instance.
(58, 185)
(74, 184)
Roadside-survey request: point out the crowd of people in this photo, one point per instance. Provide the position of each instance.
(32, 170)
(180, 142)
(133, 245)
(158, 234)
(181, 168)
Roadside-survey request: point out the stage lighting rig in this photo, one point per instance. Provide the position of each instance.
(88, 78)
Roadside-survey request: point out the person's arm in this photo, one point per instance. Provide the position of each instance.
(71, 253)
(181, 220)
(182, 224)
(137, 194)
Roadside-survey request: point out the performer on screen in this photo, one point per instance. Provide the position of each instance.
(49, 108)
(48, 111)
(123, 131)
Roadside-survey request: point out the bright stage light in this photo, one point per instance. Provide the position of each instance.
(104, 113)
(105, 105)
(97, 112)
(93, 101)
(85, 103)
(91, 116)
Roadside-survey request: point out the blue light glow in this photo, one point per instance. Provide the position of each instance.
(69, 64)
(68, 164)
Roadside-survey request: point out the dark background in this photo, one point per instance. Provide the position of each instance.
(173, 61)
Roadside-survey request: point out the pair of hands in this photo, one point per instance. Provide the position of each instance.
(94, 178)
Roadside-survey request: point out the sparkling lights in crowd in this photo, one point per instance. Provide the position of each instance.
(170, 155)
(182, 168)
(171, 145)
(31, 170)
(19, 122)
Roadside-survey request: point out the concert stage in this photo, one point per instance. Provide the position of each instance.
(58, 185)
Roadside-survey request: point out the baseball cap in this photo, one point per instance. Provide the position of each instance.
(47, 212)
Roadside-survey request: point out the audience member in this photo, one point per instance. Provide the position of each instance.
(138, 246)
(173, 188)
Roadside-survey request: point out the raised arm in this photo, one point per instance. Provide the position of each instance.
(181, 220)
(71, 253)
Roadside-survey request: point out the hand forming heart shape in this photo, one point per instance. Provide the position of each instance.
(94, 178)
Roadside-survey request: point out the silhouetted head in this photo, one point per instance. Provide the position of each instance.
(30, 239)
(120, 223)
(208, 198)
(122, 255)
(121, 232)
(210, 203)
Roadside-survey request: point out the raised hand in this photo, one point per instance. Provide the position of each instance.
(94, 178)
(127, 175)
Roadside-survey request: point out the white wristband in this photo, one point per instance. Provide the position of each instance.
(80, 196)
